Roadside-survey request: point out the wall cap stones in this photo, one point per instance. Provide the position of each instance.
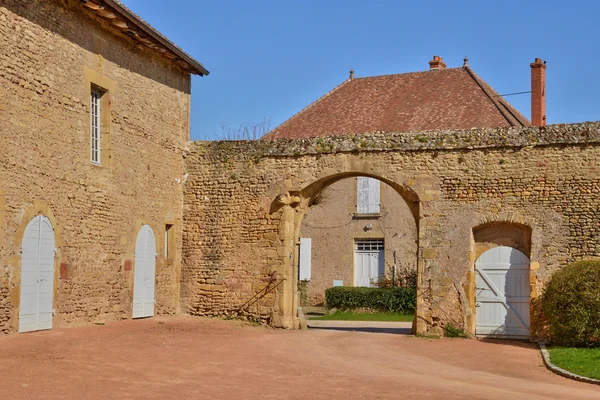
(585, 133)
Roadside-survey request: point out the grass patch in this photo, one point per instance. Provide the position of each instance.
(352, 316)
(453, 332)
(580, 361)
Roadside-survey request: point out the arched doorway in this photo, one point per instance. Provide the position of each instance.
(144, 273)
(502, 293)
(361, 232)
(37, 276)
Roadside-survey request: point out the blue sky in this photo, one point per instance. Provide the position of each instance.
(268, 59)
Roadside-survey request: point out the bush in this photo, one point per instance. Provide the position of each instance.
(392, 300)
(571, 304)
(405, 278)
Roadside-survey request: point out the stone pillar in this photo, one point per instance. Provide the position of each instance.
(287, 315)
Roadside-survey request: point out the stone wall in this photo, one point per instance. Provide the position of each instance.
(244, 203)
(51, 52)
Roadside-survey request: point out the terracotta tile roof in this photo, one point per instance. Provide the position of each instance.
(454, 98)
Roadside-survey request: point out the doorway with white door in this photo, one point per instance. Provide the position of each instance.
(502, 293)
(369, 265)
(37, 276)
(144, 273)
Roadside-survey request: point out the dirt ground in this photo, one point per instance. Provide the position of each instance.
(195, 358)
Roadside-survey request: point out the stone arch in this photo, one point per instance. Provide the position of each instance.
(501, 233)
(512, 218)
(38, 207)
(294, 206)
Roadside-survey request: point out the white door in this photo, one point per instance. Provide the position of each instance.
(368, 261)
(502, 293)
(144, 273)
(37, 276)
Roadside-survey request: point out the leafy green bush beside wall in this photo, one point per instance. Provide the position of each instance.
(571, 304)
(392, 300)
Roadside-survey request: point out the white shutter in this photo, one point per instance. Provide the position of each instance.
(374, 190)
(362, 197)
(305, 258)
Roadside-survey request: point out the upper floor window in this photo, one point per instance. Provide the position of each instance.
(368, 196)
(95, 124)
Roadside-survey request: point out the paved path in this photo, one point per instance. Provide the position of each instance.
(193, 358)
(362, 326)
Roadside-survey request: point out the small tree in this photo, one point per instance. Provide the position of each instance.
(243, 131)
(571, 304)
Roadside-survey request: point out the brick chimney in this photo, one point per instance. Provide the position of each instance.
(538, 92)
(437, 63)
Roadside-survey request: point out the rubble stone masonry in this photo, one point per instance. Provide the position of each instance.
(237, 207)
(244, 203)
(51, 53)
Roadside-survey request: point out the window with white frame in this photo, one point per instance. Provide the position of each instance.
(95, 126)
(368, 198)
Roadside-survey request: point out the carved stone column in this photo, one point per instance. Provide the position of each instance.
(287, 305)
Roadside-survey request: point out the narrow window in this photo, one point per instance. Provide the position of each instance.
(368, 190)
(168, 240)
(95, 126)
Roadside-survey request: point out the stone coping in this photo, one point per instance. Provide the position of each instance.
(563, 372)
(585, 133)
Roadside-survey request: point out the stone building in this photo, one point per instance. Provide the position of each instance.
(108, 211)
(360, 230)
(94, 116)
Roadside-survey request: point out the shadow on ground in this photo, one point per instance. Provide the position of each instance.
(401, 331)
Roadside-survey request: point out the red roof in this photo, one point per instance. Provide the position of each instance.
(454, 98)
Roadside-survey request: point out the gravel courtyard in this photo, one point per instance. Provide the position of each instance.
(197, 358)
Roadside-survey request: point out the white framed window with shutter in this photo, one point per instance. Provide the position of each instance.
(368, 195)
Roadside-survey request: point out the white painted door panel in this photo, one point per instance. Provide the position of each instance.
(144, 273)
(150, 273)
(502, 293)
(37, 276)
(368, 261)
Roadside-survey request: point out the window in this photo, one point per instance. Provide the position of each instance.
(369, 244)
(368, 190)
(168, 240)
(95, 126)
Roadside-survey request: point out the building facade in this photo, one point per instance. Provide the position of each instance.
(94, 110)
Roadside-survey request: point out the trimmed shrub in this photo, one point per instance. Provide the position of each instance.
(571, 304)
(392, 300)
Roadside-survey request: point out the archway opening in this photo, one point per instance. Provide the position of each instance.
(354, 230)
(502, 280)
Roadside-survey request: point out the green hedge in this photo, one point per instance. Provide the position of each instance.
(392, 300)
(571, 304)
